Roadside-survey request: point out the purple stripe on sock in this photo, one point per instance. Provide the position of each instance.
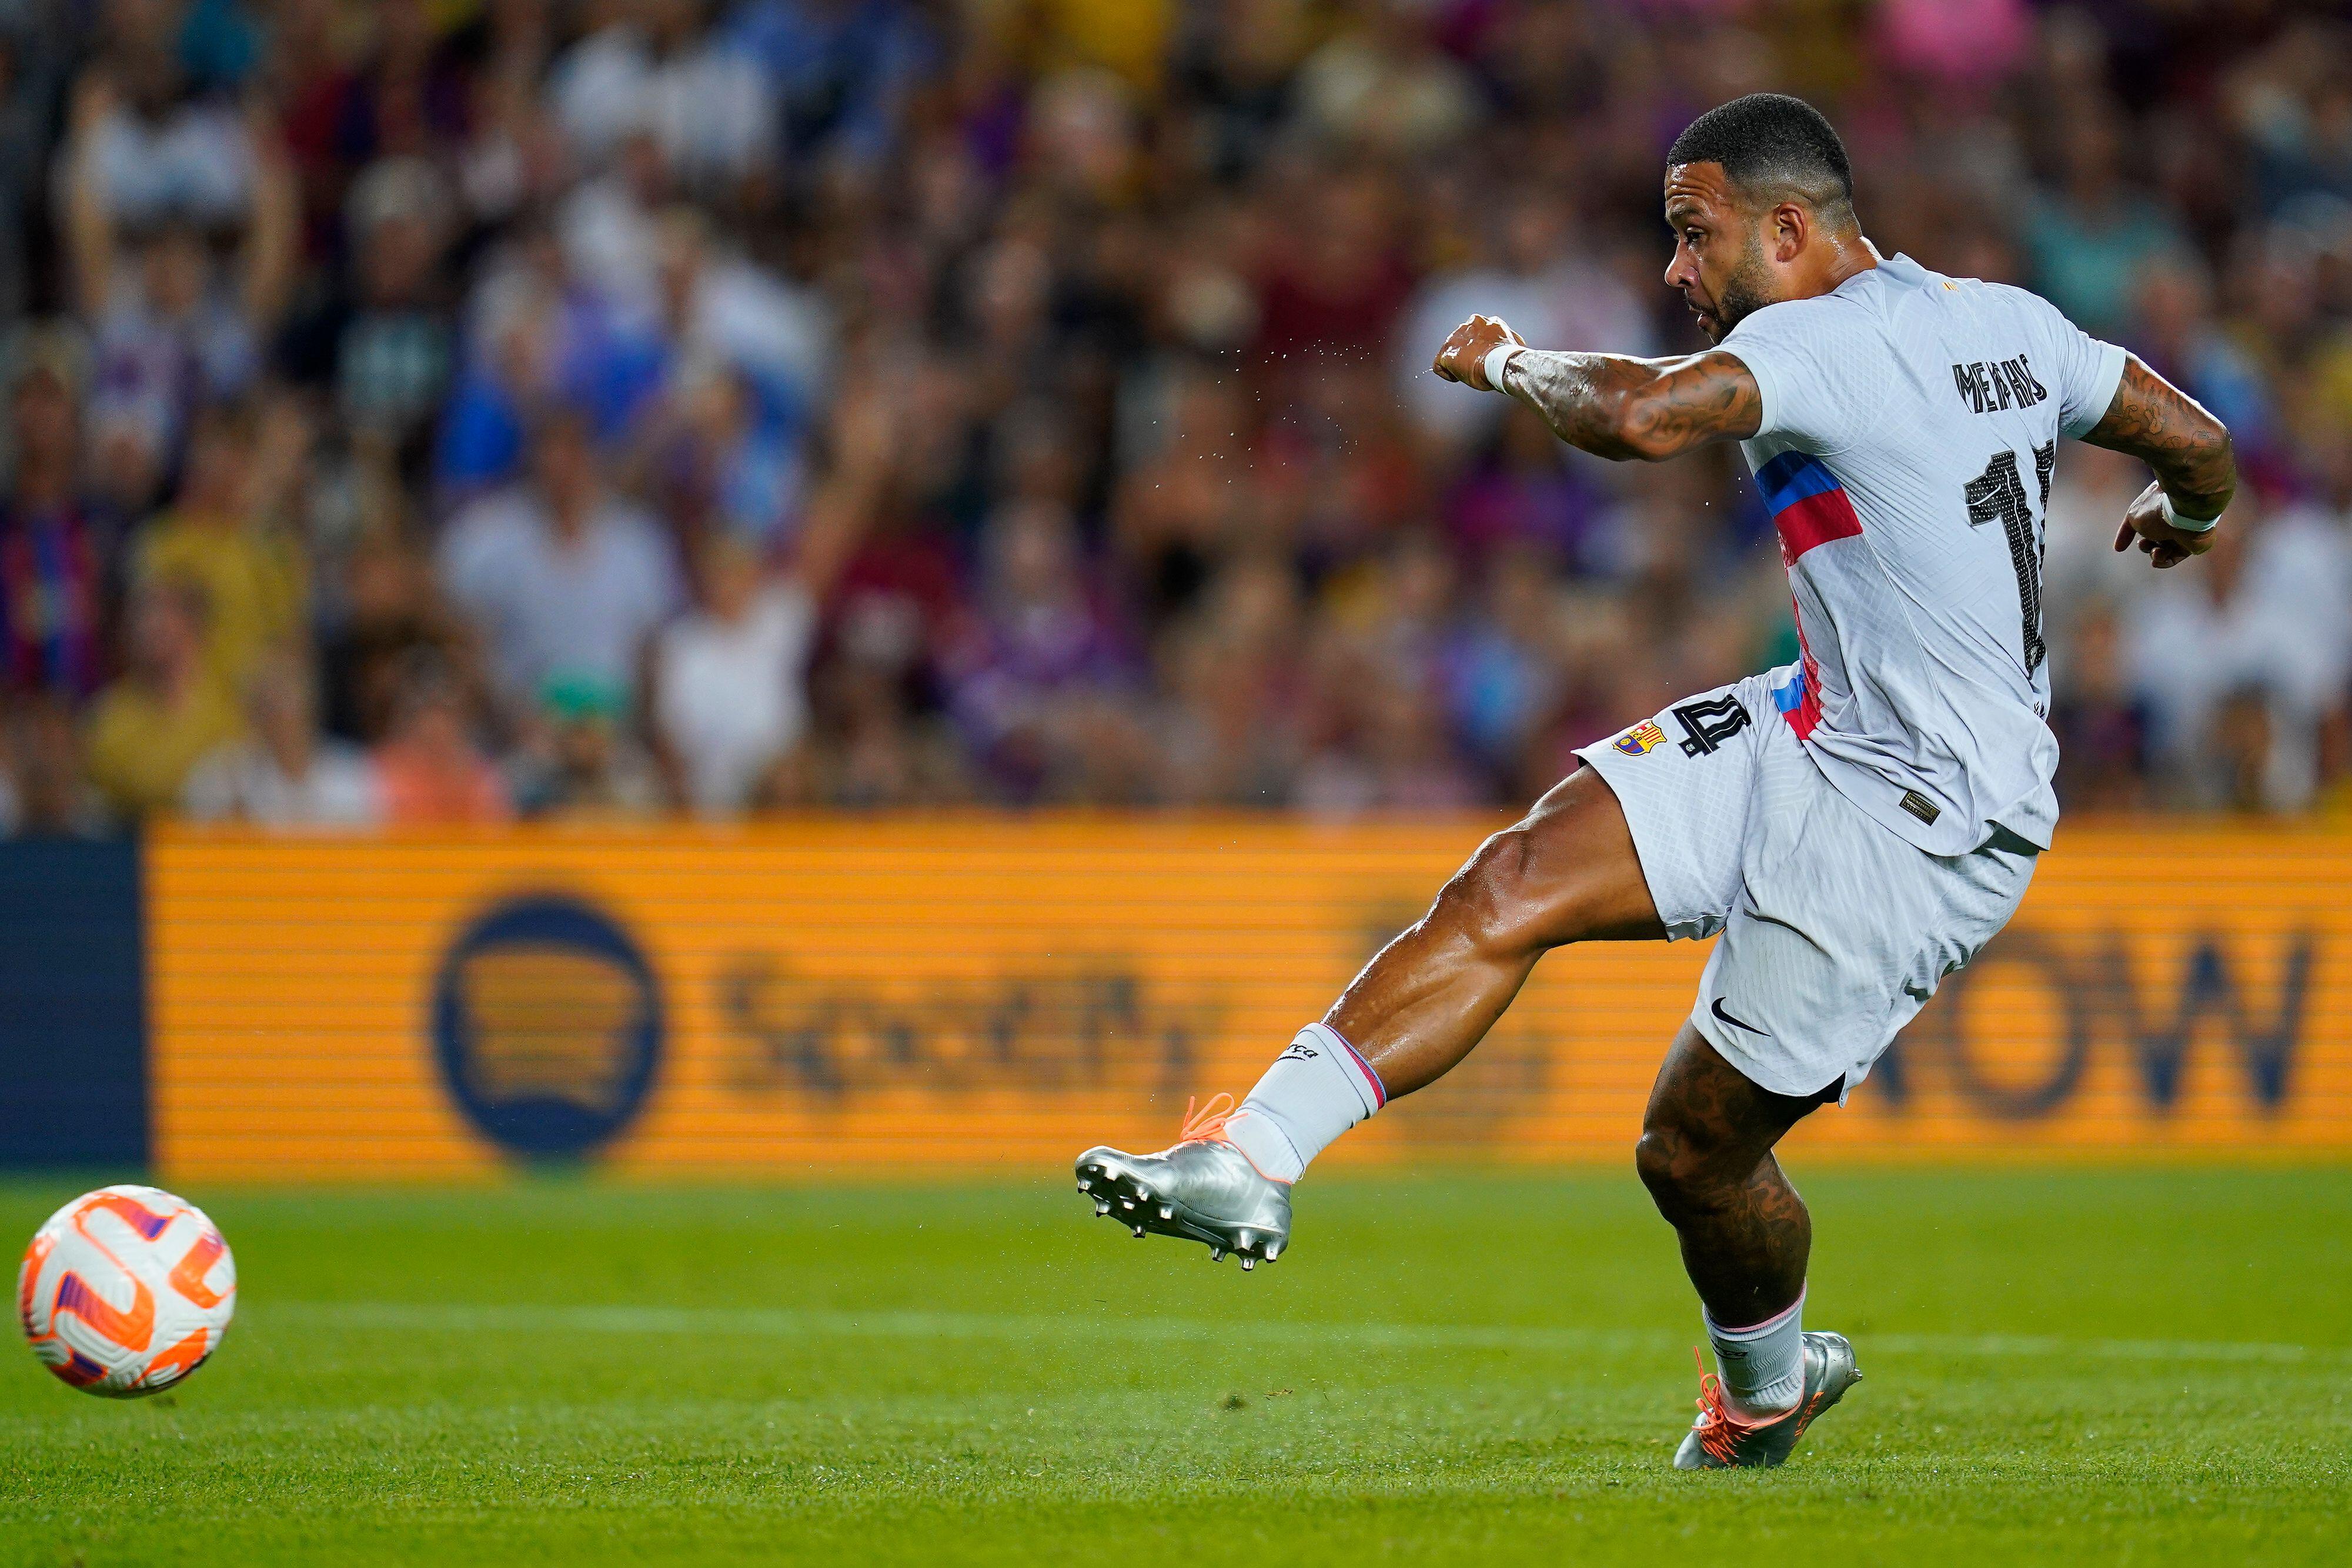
(1775, 1320)
(1380, 1090)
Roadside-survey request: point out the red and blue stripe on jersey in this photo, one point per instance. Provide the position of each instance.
(1808, 508)
(1796, 701)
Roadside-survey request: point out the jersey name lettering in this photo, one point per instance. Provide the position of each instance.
(1987, 386)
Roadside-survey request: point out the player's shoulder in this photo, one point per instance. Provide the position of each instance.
(1841, 307)
(1865, 305)
(1910, 284)
(1842, 341)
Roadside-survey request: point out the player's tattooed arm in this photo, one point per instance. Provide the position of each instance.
(2188, 448)
(1608, 404)
(1651, 409)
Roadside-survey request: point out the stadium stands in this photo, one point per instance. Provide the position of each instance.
(454, 410)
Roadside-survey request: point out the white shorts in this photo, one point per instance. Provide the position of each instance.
(1835, 932)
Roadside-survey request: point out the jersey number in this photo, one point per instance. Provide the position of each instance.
(1998, 494)
(1709, 725)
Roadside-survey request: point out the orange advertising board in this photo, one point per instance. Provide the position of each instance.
(847, 995)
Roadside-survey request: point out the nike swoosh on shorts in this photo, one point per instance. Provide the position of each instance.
(1735, 1023)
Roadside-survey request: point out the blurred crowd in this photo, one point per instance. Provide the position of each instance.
(466, 410)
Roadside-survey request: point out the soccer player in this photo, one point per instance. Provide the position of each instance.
(1853, 827)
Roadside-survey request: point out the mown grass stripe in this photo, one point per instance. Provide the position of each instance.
(455, 1317)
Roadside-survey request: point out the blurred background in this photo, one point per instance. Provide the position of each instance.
(458, 410)
(837, 582)
(704, 592)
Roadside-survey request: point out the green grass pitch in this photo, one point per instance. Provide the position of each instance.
(2072, 1366)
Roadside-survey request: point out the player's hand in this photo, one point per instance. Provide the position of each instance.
(2163, 544)
(1464, 358)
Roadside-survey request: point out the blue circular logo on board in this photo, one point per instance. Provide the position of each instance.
(548, 1026)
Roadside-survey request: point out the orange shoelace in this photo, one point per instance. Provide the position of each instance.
(1209, 1123)
(1720, 1431)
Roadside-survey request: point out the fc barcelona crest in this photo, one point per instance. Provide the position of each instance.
(1639, 740)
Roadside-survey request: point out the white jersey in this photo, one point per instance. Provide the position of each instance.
(1910, 425)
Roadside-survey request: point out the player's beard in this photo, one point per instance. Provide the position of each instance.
(1748, 289)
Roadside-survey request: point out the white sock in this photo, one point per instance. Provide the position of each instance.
(1314, 1092)
(1762, 1366)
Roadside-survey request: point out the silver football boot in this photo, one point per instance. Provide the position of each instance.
(1203, 1189)
(1719, 1441)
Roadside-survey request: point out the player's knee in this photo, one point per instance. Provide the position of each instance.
(1503, 905)
(1683, 1174)
(1653, 1160)
(1489, 896)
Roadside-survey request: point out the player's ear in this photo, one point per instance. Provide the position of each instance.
(1788, 227)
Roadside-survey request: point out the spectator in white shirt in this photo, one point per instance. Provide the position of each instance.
(731, 693)
(144, 181)
(564, 577)
(283, 773)
(2232, 660)
(1536, 273)
(730, 680)
(666, 277)
(655, 69)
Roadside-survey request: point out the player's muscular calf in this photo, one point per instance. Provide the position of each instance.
(1705, 1155)
(1567, 873)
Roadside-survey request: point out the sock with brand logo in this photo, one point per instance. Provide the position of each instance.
(1762, 1366)
(1314, 1092)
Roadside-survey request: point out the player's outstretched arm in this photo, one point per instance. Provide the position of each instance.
(2196, 472)
(1608, 404)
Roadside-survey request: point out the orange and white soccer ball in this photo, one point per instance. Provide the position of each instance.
(126, 1291)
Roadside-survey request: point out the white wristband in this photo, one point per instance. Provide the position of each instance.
(2186, 525)
(1497, 357)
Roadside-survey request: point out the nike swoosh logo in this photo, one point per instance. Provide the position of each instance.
(1735, 1023)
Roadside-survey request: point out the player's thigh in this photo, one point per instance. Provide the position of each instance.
(1843, 932)
(1707, 1123)
(1690, 782)
(1565, 873)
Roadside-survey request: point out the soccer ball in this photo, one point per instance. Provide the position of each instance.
(126, 1291)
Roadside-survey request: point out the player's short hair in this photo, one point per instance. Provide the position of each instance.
(1771, 144)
